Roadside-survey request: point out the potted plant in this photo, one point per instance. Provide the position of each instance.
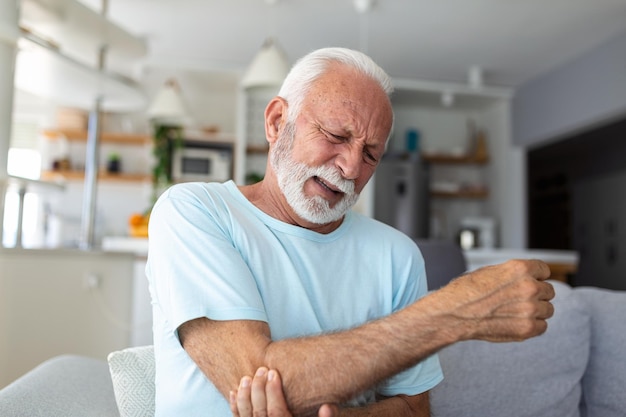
(167, 138)
(114, 163)
(168, 115)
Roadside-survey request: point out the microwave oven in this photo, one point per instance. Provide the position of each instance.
(205, 163)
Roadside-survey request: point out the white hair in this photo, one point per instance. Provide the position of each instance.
(311, 66)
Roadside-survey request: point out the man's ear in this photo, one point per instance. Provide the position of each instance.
(275, 116)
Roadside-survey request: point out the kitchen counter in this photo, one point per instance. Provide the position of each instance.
(138, 246)
(561, 262)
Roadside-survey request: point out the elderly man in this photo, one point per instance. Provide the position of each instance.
(281, 277)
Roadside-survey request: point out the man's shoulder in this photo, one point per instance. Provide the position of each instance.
(197, 188)
(202, 193)
(384, 233)
(197, 199)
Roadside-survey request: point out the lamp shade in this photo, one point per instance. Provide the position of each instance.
(168, 108)
(268, 68)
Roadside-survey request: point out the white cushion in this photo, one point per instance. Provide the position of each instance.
(132, 373)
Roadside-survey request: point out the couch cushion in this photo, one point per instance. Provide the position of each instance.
(132, 373)
(540, 377)
(604, 382)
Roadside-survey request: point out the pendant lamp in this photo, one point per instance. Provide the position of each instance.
(168, 107)
(269, 67)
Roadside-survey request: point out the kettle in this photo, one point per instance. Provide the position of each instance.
(468, 238)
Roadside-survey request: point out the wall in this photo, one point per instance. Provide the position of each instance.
(587, 91)
(50, 306)
(210, 96)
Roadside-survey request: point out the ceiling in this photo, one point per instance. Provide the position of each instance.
(511, 40)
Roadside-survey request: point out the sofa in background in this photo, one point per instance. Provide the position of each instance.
(577, 368)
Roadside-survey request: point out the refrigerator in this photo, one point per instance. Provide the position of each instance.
(401, 194)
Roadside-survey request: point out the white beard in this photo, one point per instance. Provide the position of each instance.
(292, 175)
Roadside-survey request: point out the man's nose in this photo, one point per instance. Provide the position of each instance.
(349, 162)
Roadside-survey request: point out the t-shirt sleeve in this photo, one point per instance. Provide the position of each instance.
(410, 286)
(195, 269)
(420, 378)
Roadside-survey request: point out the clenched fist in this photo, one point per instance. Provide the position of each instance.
(501, 303)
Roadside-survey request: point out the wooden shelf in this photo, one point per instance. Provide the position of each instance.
(257, 149)
(472, 194)
(80, 135)
(74, 175)
(454, 159)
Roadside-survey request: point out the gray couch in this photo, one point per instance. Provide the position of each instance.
(578, 368)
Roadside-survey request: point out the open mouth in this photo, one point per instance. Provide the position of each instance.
(327, 186)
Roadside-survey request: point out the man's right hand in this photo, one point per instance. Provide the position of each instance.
(501, 303)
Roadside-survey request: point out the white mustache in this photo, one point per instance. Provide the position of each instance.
(332, 176)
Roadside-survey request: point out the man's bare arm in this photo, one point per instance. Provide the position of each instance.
(261, 395)
(499, 303)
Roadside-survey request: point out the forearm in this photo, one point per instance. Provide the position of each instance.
(333, 368)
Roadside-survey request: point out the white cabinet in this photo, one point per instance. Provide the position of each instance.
(141, 305)
(56, 302)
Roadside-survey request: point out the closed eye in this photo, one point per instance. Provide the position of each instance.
(367, 155)
(370, 158)
(334, 136)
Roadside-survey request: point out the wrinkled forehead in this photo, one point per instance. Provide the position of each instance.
(343, 84)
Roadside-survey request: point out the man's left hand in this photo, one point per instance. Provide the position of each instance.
(262, 396)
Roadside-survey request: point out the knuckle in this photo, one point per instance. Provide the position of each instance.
(527, 329)
(528, 288)
(529, 310)
(518, 266)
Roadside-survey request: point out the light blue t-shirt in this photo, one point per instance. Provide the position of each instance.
(214, 254)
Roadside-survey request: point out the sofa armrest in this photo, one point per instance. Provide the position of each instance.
(67, 385)
(604, 394)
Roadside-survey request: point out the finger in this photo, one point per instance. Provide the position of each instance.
(540, 269)
(545, 310)
(259, 403)
(244, 405)
(546, 291)
(276, 403)
(328, 410)
(232, 401)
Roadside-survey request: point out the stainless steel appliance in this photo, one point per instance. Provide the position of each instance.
(401, 196)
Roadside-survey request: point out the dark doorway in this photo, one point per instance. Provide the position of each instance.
(576, 201)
